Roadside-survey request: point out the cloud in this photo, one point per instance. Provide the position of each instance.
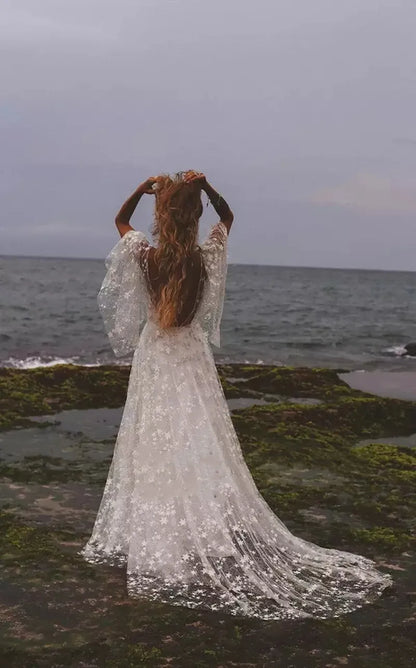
(372, 194)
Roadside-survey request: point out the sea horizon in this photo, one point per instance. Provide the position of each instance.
(242, 264)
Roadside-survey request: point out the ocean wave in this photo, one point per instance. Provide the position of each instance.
(35, 361)
(399, 351)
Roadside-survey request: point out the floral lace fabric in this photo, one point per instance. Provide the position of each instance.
(180, 510)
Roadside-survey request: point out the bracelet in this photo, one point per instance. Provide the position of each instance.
(220, 197)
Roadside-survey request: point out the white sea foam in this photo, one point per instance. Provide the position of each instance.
(35, 361)
(397, 350)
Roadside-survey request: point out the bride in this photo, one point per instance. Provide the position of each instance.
(180, 509)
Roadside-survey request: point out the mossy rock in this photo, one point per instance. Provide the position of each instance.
(292, 381)
(305, 462)
(42, 391)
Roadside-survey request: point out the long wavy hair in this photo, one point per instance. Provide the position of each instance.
(178, 208)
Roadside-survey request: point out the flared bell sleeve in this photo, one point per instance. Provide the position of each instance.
(214, 252)
(123, 296)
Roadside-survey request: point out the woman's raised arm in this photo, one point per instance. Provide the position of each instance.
(122, 219)
(217, 200)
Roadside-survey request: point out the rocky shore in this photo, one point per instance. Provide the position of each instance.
(323, 455)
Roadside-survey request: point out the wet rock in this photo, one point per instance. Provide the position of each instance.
(320, 463)
(410, 349)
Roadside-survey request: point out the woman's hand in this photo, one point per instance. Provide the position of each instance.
(195, 177)
(147, 186)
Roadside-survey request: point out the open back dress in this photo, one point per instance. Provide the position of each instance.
(180, 510)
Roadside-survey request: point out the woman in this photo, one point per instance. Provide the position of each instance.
(180, 508)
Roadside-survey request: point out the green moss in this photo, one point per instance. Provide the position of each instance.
(385, 455)
(24, 545)
(389, 462)
(44, 469)
(141, 655)
(385, 538)
(234, 391)
(347, 419)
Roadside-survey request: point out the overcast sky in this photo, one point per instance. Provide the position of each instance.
(300, 112)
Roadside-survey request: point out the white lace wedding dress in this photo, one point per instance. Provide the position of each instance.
(180, 509)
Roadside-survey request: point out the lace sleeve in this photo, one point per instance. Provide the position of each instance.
(214, 251)
(123, 296)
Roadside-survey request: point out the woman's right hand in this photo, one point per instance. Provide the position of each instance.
(147, 186)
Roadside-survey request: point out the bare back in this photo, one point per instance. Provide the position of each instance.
(193, 287)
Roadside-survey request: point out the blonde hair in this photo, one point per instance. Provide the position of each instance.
(178, 208)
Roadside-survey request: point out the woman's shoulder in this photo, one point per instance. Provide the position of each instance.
(136, 241)
(134, 236)
(217, 237)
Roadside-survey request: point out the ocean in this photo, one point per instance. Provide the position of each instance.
(339, 318)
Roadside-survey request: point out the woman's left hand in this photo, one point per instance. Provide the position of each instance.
(192, 177)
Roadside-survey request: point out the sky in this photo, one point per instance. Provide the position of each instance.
(300, 113)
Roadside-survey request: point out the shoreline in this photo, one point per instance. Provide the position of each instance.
(393, 359)
(71, 384)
